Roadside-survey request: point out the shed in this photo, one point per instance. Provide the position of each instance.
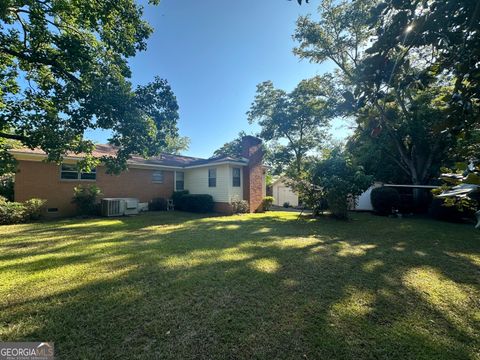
(282, 193)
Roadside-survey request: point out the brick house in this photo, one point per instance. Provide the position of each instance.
(224, 178)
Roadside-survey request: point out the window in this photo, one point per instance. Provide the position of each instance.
(236, 177)
(70, 172)
(157, 177)
(212, 177)
(179, 181)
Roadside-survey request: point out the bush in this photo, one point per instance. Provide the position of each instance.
(310, 197)
(6, 187)
(384, 199)
(286, 204)
(15, 212)
(157, 204)
(34, 208)
(440, 211)
(337, 199)
(177, 198)
(337, 179)
(11, 212)
(85, 197)
(240, 206)
(199, 203)
(267, 202)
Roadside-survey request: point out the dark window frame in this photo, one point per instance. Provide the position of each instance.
(161, 177)
(212, 180)
(182, 181)
(75, 175)
(236, 180)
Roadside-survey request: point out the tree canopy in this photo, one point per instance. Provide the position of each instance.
(294, 122)
(64, 70)
(402, 93)
(339, 178)
(441, 38)
(232, 148)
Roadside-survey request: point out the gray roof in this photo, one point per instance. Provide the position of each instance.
(167, 160)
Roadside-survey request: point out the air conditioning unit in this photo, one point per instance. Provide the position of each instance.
(131, 206)
(119, 206)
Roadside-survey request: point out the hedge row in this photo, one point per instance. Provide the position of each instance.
(199, 203)
(15, 212)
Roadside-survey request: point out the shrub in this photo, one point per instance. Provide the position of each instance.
(157, 204)
(177, 198)
(14, 212)
(11, 212)
(34, 208)
(337, 179)
(286, 204)
(267, 202)
(200, 203)
(384, 199)
(6, 187)
(445, 212)
(311, 197)
(85, 197)
(240, 206)
(338, 201)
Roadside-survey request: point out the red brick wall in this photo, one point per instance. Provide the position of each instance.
(253, 173)
(42, 180)
(223, 208)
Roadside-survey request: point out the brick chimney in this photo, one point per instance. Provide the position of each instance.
(253, 174)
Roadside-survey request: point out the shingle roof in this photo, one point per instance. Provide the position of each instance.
(161, 160)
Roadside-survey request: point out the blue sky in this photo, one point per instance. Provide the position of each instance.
(214, 53)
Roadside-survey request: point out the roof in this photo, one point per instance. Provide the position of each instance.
(279, 179)
(163, 160)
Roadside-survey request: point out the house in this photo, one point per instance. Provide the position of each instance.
(282, 193)
(224, 178)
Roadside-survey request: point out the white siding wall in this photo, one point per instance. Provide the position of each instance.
(196, 181)
(282, 194)
(363, 201)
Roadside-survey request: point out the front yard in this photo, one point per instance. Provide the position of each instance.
(266, 286)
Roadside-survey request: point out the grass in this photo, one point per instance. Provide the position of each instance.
(263, 286)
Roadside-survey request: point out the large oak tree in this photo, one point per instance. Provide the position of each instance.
(64, 69)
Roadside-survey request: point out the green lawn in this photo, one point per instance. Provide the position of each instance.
(266, 286)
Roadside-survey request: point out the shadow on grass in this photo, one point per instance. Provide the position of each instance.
(177, 285)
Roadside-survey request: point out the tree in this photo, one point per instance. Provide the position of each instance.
(340, 35)
(7, 163)
(371, 154)
(294, 122)
(64, 69)
(443, 36)
(392, 96)
(232, 148)
(419, 125)
(335, 179)
(443, 32)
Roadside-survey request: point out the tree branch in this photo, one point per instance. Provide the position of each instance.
(401, 103)
(13, 137)
(42, 60)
